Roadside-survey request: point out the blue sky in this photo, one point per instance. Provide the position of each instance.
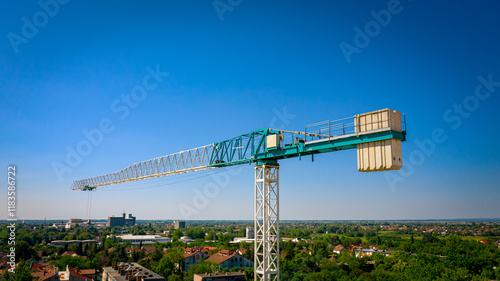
(236, 66)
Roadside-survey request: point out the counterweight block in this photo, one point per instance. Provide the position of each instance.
(381, 155)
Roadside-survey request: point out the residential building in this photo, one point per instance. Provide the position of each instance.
(144, 239)
(206, 249)
(369, 252)
(484, 241)
(51, 273)
(44, 273)
(179, 224)
(227, 259)
(148, 249)
(72, 274)
(81, 274)
(338, 249)
(192, 257)
(223, 276)
(71, 254)
(125, 271)
(127, 220)
(241, 252)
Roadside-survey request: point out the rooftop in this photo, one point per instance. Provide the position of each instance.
(120, 271)
(221, 256)
(233, 274)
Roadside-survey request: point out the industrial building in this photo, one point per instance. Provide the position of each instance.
(144, 239)
(77, 222)
(249, 238)
(250, 231)
(62, 243)
(179, 224)
(127, 220)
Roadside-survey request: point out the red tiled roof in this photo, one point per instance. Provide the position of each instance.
(87, 271)
(187, 255)
(338, 248)
(225, 252)
(207, 249)
(189, 250)
(76, 273)
(148, 249)
(220, 258)
(43, 272)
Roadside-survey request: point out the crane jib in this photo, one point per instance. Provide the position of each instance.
(385, 128)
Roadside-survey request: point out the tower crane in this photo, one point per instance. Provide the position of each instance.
(377, 135)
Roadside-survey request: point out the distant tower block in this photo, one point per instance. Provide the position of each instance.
(379, 155)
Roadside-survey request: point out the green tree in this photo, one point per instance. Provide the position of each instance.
(157, 254)
(74, 262)
(84, 236)
(23, 272)
(174, 277)
(429, 237)
(356, 241)
(6, 275)
(109, 243)
(289, 250)
(24, 251)
(176, 235)
(202, 267)
(165, 267)
(79, 250)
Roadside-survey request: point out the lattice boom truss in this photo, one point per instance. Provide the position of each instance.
(192, 160)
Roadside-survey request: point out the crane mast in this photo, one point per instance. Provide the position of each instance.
(377, 135)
